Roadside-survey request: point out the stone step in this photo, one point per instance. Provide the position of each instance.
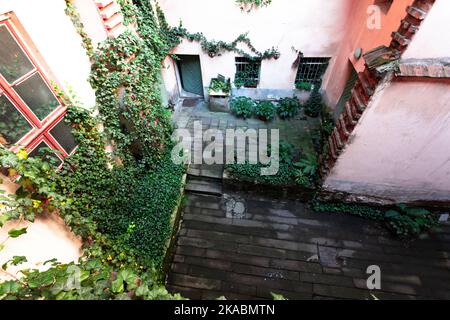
(204, 186)
(206, 171)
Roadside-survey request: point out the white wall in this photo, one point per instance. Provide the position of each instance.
(57, 41)
(433, 38)
(314, 27)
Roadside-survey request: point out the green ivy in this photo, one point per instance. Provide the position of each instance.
(216, 48)
(405, 222)
(74, 16)
(248, 5)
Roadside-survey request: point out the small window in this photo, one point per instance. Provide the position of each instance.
(62, 133)
(310, 71)
(247, 72)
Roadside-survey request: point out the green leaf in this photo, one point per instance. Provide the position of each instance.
(276, 296)
(392, 214)
(117, 285)
(9, 287)
(417, 212)
(14, 233)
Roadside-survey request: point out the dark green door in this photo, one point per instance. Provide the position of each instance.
(190, 74)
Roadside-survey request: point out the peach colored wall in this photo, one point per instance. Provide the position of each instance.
(58, 42)
(433, 38)
(400, 148)
(358, 35)
(314, 27)
(46, 238)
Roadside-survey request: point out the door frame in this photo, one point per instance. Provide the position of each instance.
(182, 92)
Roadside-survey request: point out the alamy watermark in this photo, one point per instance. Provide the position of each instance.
(229, 146)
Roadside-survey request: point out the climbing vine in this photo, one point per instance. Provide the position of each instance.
(216, 48)
(74, 16)
(119, 202)
(103, 272)
(248, 5)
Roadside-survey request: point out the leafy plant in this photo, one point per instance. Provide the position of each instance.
(306, 170)
(248, 5)
(303, 86)
(243, 107)
(220, 84)
(288, 107)
(405, 222)
(265, 110)
(409, 222)
(216, 48)
(314, 105)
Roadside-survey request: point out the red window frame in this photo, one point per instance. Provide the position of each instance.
(41, 129)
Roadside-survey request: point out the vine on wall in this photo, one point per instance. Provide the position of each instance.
(74, 16)
(249, 5)
(216, 48)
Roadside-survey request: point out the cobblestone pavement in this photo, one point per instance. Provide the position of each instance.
(245, 247)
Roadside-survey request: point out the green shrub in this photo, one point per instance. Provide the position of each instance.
(265, 110)
(243, 107)
(409, 222)
(403, 221)
(220, 84)
(288, 107)
(252, 173)
(314, 105)
(304, 86)
(306, 169)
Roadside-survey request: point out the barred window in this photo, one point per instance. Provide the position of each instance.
(311, 70)
(247, 72)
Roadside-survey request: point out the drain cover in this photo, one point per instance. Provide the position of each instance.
(234, 206)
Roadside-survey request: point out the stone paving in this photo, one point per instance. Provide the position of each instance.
(245, 247)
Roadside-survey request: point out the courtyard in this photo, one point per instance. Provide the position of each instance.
(247, 246)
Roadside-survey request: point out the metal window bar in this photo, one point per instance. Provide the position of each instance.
(248, 71)
(311, 70)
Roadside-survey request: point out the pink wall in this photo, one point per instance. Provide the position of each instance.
(358, 35)
(400, 148)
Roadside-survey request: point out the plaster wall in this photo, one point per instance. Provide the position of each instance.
(399, 150)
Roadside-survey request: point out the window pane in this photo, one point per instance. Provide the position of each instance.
(43, 151)
(13, 126)
(63, 134)
(13, 62)
(37, 96)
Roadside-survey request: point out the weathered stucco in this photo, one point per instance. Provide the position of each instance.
(400, 148)
(433, 38)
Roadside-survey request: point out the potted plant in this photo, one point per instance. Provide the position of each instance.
(265, 111)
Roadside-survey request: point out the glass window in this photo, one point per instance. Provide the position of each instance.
(13, 126)
(37, 96)
(13, 61)
(46, 153)
(247, 72)
(63, 134)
